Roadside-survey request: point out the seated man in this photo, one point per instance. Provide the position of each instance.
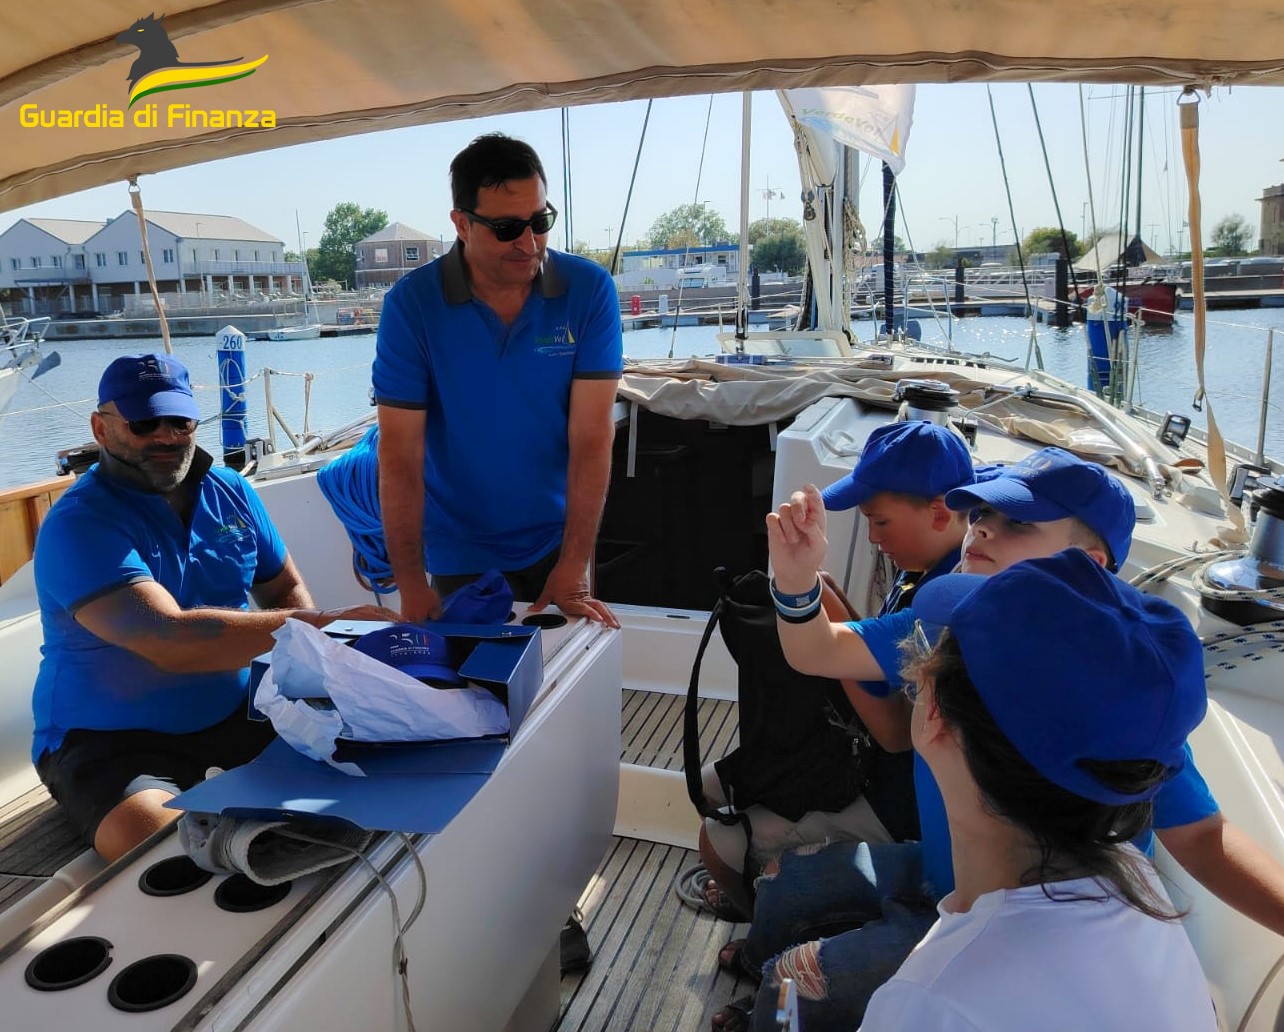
(899, 484)
(144, 572)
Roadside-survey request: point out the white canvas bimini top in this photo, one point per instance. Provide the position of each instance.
(341, 67)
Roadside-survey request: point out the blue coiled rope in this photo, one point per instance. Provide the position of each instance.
(351, 486)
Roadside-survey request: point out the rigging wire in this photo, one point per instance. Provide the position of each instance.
(624, 217)
(567, 223)
(1056, 202)
(1033, 350)
(695, 202)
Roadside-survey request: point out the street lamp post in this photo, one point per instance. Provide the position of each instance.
(200, 278)
(955, 222)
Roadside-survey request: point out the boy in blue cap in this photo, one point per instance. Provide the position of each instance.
(899, 485)
(1036, 508)
(144, 573)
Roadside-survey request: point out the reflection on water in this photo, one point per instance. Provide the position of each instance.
(53, 412)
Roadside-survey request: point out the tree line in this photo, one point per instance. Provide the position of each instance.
(778, 243)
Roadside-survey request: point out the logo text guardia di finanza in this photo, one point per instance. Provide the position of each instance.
(157, 69)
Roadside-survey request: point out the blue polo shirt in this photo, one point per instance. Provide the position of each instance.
(103, 535)
(1183, 800)
(497, 401)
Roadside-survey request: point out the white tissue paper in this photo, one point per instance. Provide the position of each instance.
(368, 701)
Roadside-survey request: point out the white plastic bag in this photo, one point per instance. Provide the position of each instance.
(318, 690)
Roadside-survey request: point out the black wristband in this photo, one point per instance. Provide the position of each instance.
(801, 618)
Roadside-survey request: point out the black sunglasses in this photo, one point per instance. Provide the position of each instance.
(146, 427)
(507, 230)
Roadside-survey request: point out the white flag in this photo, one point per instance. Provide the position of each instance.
(873, 119)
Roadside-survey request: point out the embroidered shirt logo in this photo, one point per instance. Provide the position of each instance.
(560, 342)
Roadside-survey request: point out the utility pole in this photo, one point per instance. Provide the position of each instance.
(994, 231)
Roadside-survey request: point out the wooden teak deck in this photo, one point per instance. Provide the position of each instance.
(655, 960)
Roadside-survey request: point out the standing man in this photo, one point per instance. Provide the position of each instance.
(495, 376)
(144, 572)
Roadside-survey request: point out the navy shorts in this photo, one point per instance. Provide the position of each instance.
(93, 771)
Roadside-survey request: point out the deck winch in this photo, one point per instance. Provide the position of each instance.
(931, 400)
(1261, 569)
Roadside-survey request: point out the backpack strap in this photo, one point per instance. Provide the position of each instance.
(691, 725)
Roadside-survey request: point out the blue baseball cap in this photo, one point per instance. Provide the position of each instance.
(1075, 664)
(413, 650)
(143, 386)
(912, 457)
(1051, 484)
(487, 600)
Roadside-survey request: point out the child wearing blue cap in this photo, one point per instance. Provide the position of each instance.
(905, 470)
(1045, 504)
(899, 485)
(1047, 756)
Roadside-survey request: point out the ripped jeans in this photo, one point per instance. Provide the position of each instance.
(875, 892)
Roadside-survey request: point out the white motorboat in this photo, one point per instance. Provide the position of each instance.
(308, 332)
(20, 353)
(702, 451)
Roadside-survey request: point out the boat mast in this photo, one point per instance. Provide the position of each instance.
(889, 248)
(303, 255)
(742, 272)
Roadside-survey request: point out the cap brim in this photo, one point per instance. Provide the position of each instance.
(162, 403)
(934, 603)
(846, 494)
(1009, 495)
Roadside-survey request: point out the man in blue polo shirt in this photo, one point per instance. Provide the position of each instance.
(495, 375)
(144, 571)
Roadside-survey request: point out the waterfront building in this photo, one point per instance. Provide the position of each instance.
(52, 266)
(384, 257)
(1271, 236)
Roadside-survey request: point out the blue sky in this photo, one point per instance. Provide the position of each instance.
(952, 177)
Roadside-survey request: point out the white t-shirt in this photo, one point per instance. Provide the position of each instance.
(1019, 961)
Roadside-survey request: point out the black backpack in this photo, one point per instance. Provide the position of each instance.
(802, 746)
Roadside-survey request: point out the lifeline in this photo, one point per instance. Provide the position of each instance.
(184, 116)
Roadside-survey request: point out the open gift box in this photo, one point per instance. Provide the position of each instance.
(410, 786)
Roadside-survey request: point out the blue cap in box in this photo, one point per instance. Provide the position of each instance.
(413, 650)
(146, 386)
(1075, 664)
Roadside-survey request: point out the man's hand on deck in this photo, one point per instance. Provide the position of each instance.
(567, 588)
(796, 539)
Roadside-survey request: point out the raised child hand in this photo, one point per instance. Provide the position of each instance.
(796, 540)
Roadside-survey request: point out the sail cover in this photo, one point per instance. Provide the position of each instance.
(872, 119)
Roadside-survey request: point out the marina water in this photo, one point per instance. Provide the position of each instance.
(52, 413)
